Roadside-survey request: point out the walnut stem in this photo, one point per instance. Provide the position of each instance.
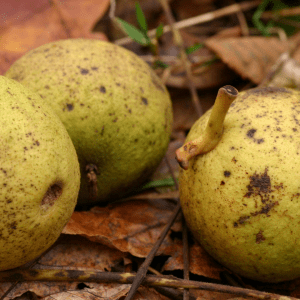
(213, 131)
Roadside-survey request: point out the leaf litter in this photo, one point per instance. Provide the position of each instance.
(115, 237)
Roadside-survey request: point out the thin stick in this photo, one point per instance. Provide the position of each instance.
(186, 265)
(141, 274)
(187, 65)
(29, 266)
(55, 275)
(207, 17)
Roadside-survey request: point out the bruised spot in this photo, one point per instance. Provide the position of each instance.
(227, 173)
(52, 194)
(70, 106)
(251, 132)
(260, 237)
(84, 71)
(259, 183)
(260, 186)
(13, 225)
(222, 182)
(145, 100)
(102, 89)
(241, 220)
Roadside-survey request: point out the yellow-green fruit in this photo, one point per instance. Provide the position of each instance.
(115, 108)
(241, 200)
(39, 175)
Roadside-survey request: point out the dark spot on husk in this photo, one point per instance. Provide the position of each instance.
(13, 225)
(84, 71)
(240, 221)
(145, 100)
(102, 89)
(260, 185)
(260, 237)
(250, 134)
(52, 194)
(69, 106)
(227, 173)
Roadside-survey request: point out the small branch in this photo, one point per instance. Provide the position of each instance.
(141, 274)
(187, 65)
(54, 275)
(186, 264)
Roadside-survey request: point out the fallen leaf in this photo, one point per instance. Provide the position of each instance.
(93, 292)
(30, 25)
(69, 252)
(107, 291)
(200, 262)
(131, 226)
(251, 57)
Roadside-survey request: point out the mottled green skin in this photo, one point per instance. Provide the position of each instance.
(115, 108)
(242, 199)
(36, 153)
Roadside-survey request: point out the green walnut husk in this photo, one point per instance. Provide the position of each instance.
(241, 197)
(116, 111)
(39, 175)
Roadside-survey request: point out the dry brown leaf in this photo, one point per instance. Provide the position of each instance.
(250, 57)
(31, 25)
(107, 291)
(80, 253)
(69, 252)
(200, 262)
(131, 226)
(93, 292)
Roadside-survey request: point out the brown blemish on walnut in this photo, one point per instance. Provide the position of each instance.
(260, 185)
(69, 106)
(145, 100)
(52, 194)
(102, 89)
(227, 173)
(260, 237)
(250, 134)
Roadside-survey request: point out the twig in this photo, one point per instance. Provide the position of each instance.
(284, 12)
(54, 275)
(207, 17)
(186, 265)
(141, 274)
(29, 266)
(243, 23)
(187, 65)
